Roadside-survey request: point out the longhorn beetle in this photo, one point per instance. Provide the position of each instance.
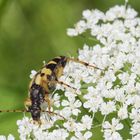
(43, 83)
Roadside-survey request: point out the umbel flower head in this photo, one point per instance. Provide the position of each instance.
(106, 104)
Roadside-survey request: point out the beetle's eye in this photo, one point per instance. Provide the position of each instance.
(42, 74)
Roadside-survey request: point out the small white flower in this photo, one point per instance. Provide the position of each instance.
(120, 95)
(115, 12)
(135, 115)
(56, 100)
(10, 137)
(107, 108)
(110, 130)
(72, 32)
(87, 14)
(87, 122)
(136, 101)
(110, 76)
(136, 137)
(93, 105)
(33, 73)
(131, 13)
(71, 106)
(70, 125)
(123, 112)
(93, 99)
(2, 137)
(60, 134)
(80, 27)
(79, 136)
(124, 77)
(135, 131)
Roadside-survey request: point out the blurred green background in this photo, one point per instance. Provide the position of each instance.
(32, 31)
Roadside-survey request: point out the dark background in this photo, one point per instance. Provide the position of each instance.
(32, 31)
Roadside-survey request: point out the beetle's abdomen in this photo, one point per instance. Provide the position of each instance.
(37, 97)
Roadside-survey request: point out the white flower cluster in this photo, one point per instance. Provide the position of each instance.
(118, 53)
(109, 97)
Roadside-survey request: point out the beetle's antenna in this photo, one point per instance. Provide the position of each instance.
(84, 63)
(14, 111)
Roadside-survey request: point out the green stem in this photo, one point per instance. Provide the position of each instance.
(99, 125)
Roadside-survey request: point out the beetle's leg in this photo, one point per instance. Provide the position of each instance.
(82, 62)
(47, 99)
(53, 113)
(27, 103)
(63, 84)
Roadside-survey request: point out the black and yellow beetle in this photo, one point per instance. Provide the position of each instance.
(43, 83)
